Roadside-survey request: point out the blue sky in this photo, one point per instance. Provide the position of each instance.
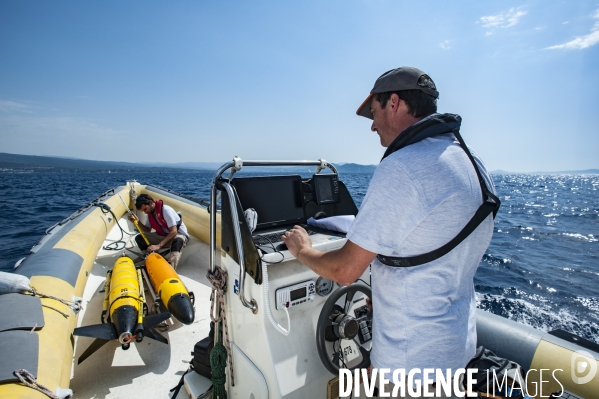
(191, 81)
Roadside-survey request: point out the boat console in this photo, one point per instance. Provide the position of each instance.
(289, 329)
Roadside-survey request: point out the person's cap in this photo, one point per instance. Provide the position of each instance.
(403, 78)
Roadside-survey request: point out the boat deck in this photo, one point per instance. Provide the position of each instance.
(148, 369)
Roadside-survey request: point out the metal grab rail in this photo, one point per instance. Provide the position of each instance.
(252, 304)
(237, 164)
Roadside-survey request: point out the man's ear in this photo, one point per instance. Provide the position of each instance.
(394, 101)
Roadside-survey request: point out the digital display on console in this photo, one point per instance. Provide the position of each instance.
(326, 188)
(325, 192)
(298, 294)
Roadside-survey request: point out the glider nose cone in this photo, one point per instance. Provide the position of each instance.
(180, 306)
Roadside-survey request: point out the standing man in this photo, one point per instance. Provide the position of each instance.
(422, 195)
(168, 226)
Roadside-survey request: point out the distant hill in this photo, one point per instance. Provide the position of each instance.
(184, 165)
(342, 167)
(15, 163)
(355, 168)
(31, 163)
(571, 172)
(563, 172)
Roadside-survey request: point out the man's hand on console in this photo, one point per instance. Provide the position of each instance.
(296, 239)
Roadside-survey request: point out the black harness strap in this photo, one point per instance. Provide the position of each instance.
(490, 205)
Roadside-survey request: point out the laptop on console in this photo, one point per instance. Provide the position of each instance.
(278, 202)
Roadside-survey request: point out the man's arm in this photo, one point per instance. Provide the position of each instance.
(172, 233)
(133, 217)
(344, 265)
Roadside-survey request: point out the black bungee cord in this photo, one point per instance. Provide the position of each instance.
(115, 245)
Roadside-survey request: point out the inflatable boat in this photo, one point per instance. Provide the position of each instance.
(276, 319)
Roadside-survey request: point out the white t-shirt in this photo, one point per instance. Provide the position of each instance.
(171, 217)
(419, 198)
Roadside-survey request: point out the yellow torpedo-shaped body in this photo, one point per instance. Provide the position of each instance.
(125, 299)
(170, 289)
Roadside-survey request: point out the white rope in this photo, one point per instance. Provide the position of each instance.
(66, 316)
(74, 305)
(29, 380)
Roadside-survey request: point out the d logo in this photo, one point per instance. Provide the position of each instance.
(584, 367)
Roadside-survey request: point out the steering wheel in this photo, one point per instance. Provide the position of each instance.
(335, 324)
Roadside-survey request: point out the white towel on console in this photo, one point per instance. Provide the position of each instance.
(336, 223)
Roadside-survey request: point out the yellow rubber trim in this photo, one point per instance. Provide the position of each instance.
(55, 339)
(550, 356)
(55, 345)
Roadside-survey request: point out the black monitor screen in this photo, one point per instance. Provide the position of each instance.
(276, 199)
(326, 188)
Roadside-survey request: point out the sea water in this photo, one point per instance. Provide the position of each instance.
(542, 267)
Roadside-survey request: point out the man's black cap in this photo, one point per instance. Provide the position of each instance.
(403, 78)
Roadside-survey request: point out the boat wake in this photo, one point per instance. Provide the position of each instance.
(540, 312)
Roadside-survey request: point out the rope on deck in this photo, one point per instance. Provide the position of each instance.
(218, 356)
(28, 379)
(66, 316)
(74, 305)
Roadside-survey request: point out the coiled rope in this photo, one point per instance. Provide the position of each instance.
(28, 379)
(219, 354)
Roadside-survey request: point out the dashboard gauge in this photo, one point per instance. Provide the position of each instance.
(323, 286)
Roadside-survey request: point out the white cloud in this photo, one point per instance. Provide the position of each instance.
(502, 20)
(445, 44)
(11, 106)
(581, 42)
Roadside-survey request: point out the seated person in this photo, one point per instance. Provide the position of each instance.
(168, 226)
